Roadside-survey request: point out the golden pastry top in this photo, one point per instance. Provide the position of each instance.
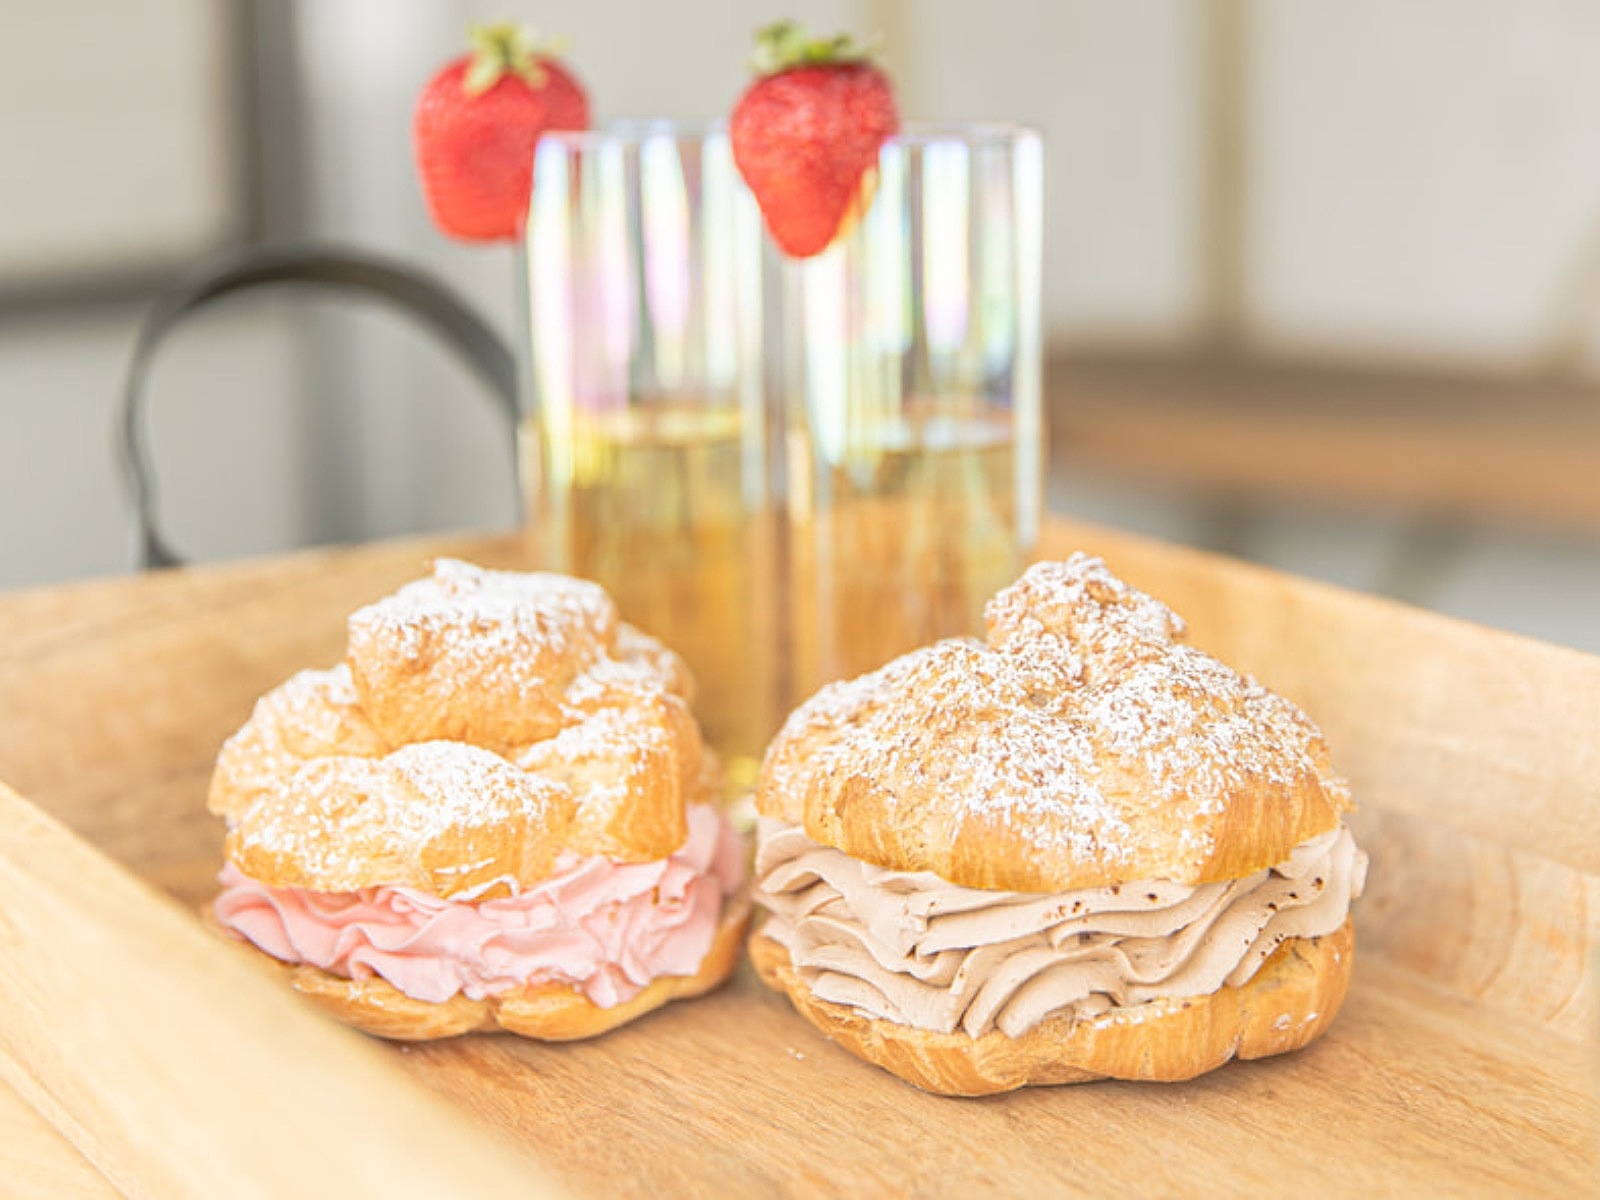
(1081, 744)
(483, 722)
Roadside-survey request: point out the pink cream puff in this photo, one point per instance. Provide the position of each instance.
(497, 812)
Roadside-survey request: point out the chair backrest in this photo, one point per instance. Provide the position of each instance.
(414, 293)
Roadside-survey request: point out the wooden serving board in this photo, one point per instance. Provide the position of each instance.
(1465, 1062)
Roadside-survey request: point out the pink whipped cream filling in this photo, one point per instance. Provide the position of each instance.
(607, 928)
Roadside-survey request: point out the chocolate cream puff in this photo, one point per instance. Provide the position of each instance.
(1077, 849)
(496, 812)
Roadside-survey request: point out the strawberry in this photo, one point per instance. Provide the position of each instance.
(475, 126)
(806, 134)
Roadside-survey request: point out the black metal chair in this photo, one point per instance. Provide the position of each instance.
(416, 294)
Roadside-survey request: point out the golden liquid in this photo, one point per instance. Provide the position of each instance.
(901, 539)
(895, 543)
(656, 509)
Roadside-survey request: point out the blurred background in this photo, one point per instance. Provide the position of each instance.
(1322, 284)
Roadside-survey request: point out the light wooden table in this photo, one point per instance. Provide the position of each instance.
(131, 1040)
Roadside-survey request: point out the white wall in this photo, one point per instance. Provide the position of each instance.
(114, 150)
(1425, 176)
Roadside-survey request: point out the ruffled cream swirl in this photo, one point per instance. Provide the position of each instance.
(912, 948)
(604, 927)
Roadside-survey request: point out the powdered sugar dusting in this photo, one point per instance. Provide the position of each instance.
(1080, 601)
(835, 707)
(350, 823)
(332, 687)
(314, 714)
(459, 589)
(506, 612)
(461, 786)
(471, 702)
(1082, 731)
(490, 656)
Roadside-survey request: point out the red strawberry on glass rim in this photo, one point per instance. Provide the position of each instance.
(806, 134)
(476, 123)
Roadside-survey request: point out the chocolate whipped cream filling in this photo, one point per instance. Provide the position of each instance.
(912, 948)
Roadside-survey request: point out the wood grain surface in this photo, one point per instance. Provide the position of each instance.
(1465, 1062)
(38, 1163)
(181, 1072)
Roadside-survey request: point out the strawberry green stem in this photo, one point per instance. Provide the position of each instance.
(506, 49)
(786, 44)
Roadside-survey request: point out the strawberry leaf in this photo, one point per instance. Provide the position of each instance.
(482, 74)
(786, 44)
(505, 49)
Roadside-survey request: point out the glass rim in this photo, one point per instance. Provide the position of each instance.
(629, 131)
(970, 133)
